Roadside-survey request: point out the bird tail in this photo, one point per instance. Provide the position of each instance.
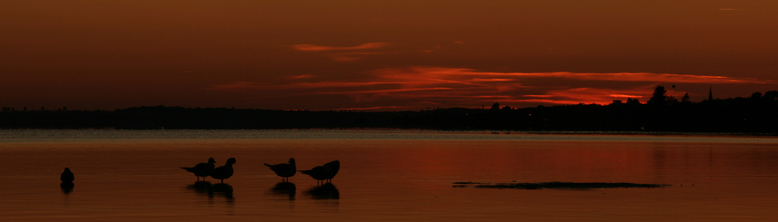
(268, 165)
(187, 168)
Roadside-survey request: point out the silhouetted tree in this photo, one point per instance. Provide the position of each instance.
(671, 100)
(633, 101)
(496, 106)
(659, 98)
(685, 98)
(771, 95)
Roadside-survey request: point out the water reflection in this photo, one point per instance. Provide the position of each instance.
(285, 189)
(206, 188)
(201, 187)
(67, 187)
(223, 189)
(325, 191)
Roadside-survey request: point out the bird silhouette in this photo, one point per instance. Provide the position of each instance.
(67, 176)
(224, 172)
(284, 170)
(202, 169)
(325, 172)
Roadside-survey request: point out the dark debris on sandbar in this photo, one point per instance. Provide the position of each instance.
(556, 185)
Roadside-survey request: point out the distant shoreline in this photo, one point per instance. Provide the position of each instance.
(662, 115)
(400, 130)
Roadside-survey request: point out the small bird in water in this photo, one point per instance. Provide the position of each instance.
(284, 170)
(224, 172)
(67, 176)
(202, 169)
(325, 172)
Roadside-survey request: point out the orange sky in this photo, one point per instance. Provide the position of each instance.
(379, 55)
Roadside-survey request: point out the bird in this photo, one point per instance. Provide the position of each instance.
(325, 172)
(284, 170)
(67, 176)
(202, 169)
(224, 172)
(335, 166)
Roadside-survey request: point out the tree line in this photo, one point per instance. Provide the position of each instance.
(661, 113)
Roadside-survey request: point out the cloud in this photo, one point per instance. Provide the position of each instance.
(301, 77)
(463, 87)
(369, 45)
(384, 91)
(623, 76)
(344, 54)
(381, 108)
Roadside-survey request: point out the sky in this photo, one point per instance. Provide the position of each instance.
(380, 55)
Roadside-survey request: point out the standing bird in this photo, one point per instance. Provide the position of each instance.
(284, 170)
(325, 172)
(67, 176)
(224, 172)
(202, 169)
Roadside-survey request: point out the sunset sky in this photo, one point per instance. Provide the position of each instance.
(380, 55)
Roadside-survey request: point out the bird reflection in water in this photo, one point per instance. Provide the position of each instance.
(285, 188)
(67, 187)
(201, 187)
(325, 191)
(206, 188)
(223, 189)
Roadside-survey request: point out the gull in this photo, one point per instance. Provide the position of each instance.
(284, 170)
(202, 169)
(67, 176)
(325, 172)
(224, 172)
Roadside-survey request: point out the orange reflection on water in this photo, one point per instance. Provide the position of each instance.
(390, 180)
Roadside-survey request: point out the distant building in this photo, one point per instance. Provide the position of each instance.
(710, 94)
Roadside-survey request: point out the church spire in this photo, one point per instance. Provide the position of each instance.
(710, 94)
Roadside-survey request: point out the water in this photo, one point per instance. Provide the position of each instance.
(385, 175)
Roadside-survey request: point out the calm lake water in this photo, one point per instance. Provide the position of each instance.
(385, 175)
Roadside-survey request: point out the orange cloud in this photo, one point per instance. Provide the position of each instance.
(461, 87)
(579, 95)
(597, 96)
(386, 91)
(538, 96)
(370, 45)
(624, 76)
(301, 77)
(625, 96)
(344, 54)
(380, 108)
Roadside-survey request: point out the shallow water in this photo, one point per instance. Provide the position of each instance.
(385, 175)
